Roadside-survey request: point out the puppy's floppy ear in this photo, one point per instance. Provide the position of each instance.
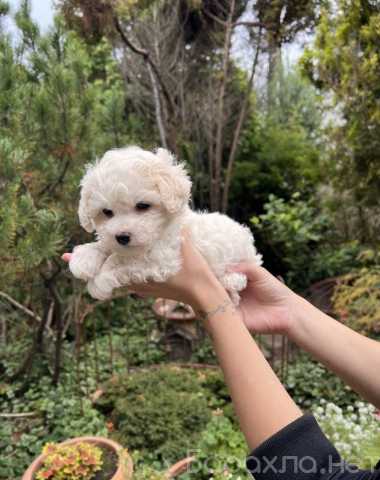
(84, 217)
(165, 156)
(174, 186)
(86, 209)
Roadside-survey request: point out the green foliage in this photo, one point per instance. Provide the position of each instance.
(302, 242)
(370, 451)
(280, 150)
(161, 412)
(59, 414)
(62, 104)
(57, 114)
(330, 260)
(29, 235)
(146, 472)
(64, 462)
(345, 60)
(4, 7)
(356, 300)
(307, 381)
(221, 450)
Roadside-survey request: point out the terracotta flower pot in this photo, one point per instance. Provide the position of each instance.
(179, 467)
(124, 469)
(173, 310)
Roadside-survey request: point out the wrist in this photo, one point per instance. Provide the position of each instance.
(208, 294)
(299, 312)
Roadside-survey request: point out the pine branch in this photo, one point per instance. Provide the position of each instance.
(21, 307)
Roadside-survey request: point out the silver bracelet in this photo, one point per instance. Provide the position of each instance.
(205, 315)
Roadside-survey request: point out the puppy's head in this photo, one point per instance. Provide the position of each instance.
(130, 195)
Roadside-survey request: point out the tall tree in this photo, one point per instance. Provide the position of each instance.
(282, 21)
(55, 116)
(345, 62)
(176, 59)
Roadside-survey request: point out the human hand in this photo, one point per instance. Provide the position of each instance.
(267, 305)
(195, 284)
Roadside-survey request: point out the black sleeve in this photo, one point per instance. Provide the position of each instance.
(301, 451)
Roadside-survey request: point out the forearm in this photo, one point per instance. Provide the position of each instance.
(261, 403)
(353, 357)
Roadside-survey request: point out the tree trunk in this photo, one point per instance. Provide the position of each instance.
(216, 178)
(274, 62)
(157, 106)
(238, 128)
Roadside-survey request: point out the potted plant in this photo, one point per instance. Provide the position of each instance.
(82, 458)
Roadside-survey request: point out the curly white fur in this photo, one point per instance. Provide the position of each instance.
(120, 181)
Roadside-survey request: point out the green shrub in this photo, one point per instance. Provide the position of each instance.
(145, 472)
(220, 453)
(329, 261)
(297, 233)
(60, 414)
(162, 411)
(291, 230)
(307, 381)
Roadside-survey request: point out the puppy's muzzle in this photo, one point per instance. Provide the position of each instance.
(123, 239)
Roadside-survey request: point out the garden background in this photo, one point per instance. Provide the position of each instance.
(290, 148)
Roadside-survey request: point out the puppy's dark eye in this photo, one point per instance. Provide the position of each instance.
(142, 206)
(108, 213)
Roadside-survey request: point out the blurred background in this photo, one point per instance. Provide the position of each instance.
(275, 108)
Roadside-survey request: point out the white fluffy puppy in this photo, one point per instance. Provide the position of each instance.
(137, 203)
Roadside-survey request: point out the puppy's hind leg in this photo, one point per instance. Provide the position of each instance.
(234, 283)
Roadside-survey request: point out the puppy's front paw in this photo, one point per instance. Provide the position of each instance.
(102, 286)
(98, 293)
(85, 262)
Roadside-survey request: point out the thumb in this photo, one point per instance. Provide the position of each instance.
(250, 269)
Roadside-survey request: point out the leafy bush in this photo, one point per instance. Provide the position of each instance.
(146, 472)
(220, 453)
(292, 229)
(60, 413)
(329, 260)
(279, 151)
(298, 235)
(356, 300)
(354, 431)
(70, 462)
(307, 381)
(161, 412)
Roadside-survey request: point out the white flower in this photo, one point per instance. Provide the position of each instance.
(357, 429)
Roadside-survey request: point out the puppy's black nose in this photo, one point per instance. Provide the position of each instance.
(123, 239)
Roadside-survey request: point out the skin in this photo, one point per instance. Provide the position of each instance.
(261, 402)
